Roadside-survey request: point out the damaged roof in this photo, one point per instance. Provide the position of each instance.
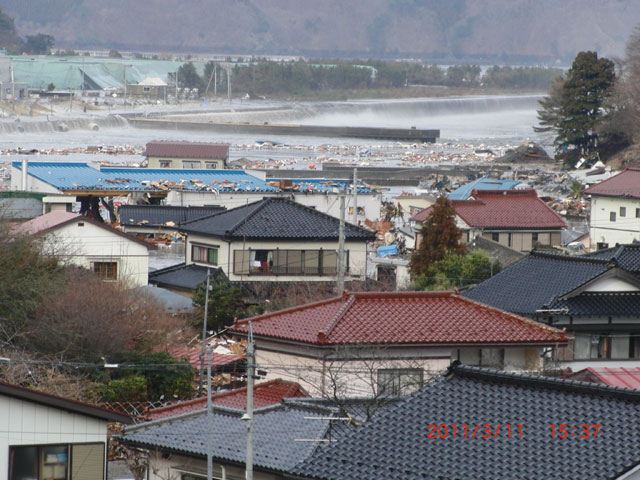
(83, 177)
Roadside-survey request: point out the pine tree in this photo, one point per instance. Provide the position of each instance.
(575, 110)
(440, 236)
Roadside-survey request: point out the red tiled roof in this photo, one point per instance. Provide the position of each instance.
(624, 184)
(615, 377)
(433, 318)
(193, 355)
(264, 394)
(502, 209)
(187, 150)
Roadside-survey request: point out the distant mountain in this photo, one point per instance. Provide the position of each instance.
(447, 30)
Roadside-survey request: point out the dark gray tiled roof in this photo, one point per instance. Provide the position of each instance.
(394, 444)
(275, 218)
(277, 432)
(601, 304)
(536, 281)
(183, 276)
(626, 257)
(157, 215)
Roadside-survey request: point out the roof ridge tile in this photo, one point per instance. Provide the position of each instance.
(457, 368)
(324, 334)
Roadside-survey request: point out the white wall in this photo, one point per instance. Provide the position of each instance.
(33, 184)
(624, 230)
(81, 245)
(325, 203)
(357, 257)
(27, 423)
(314, 373)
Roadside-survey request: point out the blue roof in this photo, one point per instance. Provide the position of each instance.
(484, 183)
(325, 185)
(81, 176)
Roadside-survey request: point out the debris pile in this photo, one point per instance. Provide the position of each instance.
(529, 152)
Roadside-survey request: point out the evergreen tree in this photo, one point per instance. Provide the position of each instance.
(188, 77)
(575, 112)
(440, 236)
(225, 302)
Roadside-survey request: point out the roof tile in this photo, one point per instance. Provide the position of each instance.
(264, 394)
(624, 184)
(168, 149)
(502, 209)
(399, 318)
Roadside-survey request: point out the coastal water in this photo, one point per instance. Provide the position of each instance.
(466, 122)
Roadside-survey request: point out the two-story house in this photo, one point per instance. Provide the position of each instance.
(369, 343)
(615, 209)
(596, 297)
(187, 155)
(275, 239)
(515, 218)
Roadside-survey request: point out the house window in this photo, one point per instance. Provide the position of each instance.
(165, 163)
(612, 216)
(204, 255)
(495, 237)
(146, 89)
(399, 381)
(623, 211)
(534, 238)
(637, 212)
(57, 462)
(211, 165)
(509, 241)
(106, 270)
(190, 164)
(286, 262)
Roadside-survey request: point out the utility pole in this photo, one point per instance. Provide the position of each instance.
(341, 269)
(204, 331)
(213, 72)
(355, 195)
(209, 419)
(248, 417)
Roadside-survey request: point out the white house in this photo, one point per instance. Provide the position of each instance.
(275, 240)
(47, 437)
(79, 240)
(615, 210)
(364, 344)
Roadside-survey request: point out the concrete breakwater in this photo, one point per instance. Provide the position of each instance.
(403, 134)
(63, 124)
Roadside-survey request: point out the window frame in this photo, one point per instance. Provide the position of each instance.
(290, 262)
(208, 250)
(105, 269)
(395, 377)
(165, 163)
(623, 212)
(612, 216)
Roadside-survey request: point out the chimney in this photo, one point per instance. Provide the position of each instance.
(25, 168)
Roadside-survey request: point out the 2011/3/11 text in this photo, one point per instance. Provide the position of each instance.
(463, 430)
